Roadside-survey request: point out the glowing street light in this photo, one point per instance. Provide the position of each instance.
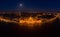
(21, 5)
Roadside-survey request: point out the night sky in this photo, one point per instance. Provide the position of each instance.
(29, 4)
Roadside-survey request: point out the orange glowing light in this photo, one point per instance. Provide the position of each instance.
(30, 21)
(7, 20)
